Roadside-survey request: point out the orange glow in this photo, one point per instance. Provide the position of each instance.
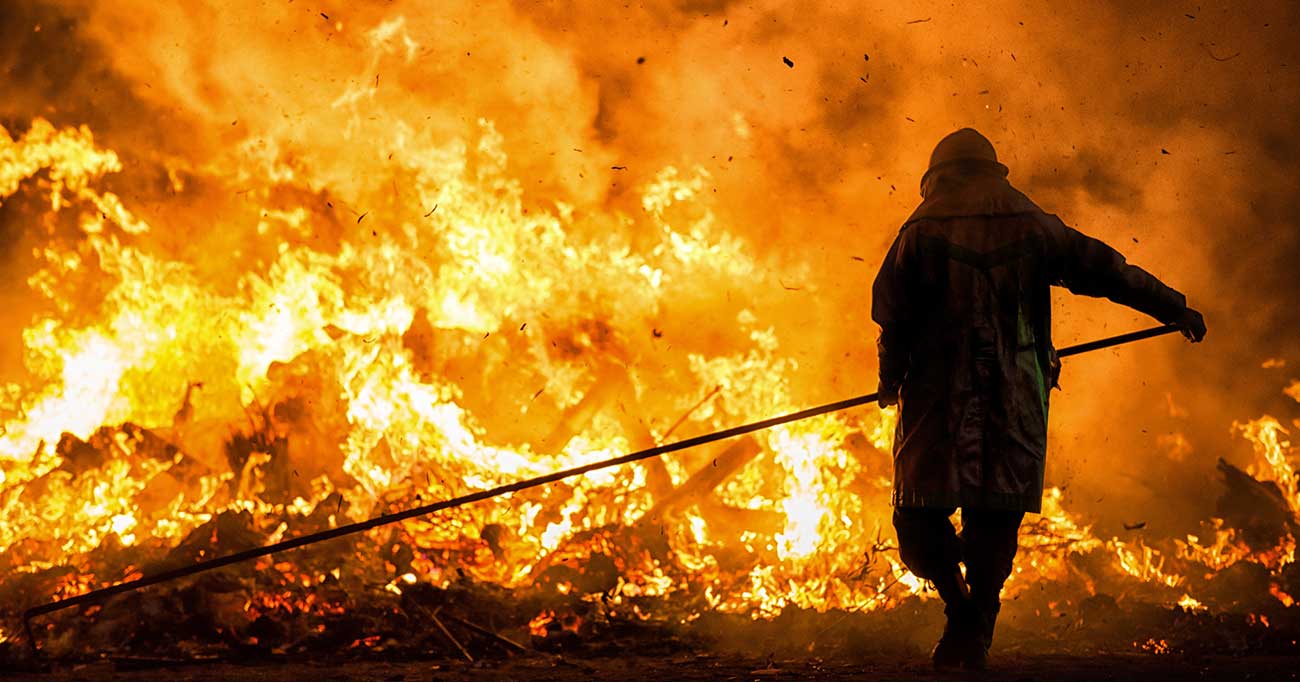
(347, 313)
(315, 318)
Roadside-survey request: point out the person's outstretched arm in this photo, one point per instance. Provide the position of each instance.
(1088, 266)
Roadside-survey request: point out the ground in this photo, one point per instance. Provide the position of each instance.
(702, 666)
(1098, 640)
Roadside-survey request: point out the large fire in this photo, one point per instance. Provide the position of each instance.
(431, 326)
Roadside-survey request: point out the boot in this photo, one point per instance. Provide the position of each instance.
(961, 638)
(986, 617)
(962, 630)
(977, 657)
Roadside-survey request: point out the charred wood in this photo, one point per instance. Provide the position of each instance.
(735, 456)
(1256, 508)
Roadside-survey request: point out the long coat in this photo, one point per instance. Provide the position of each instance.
(963, 303)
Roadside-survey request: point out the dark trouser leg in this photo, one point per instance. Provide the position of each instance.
(929, 546)
(989, 545)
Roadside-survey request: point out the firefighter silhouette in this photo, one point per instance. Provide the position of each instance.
(963, 304)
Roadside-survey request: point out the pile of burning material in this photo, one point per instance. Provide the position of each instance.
(341, 596)
(430, 331)
(342, 378)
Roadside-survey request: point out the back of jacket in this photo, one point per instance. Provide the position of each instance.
(963, 303)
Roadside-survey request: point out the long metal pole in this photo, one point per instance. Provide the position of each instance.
(383, 520)
(1117, 340)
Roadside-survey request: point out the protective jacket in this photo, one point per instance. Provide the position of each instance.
(963, 303)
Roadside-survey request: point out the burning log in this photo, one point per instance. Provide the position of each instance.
(610, 382)
(307, 412)
(1242, 586)
(705, 479)
(697, 490)
(766, 522)
(127, 440)
(80, 456)
(586, 564)
(611, 387)
(228, 532)
(1256, 508)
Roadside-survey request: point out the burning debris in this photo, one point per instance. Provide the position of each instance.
(670, 541)
(216, 356)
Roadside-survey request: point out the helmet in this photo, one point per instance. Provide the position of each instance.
(966, 143)
(962, 146)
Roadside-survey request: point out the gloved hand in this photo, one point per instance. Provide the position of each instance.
(886, 396)
(1192, 324)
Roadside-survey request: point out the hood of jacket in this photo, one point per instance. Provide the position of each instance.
(970, 187)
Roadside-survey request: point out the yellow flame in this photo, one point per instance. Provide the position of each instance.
(359, 339)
